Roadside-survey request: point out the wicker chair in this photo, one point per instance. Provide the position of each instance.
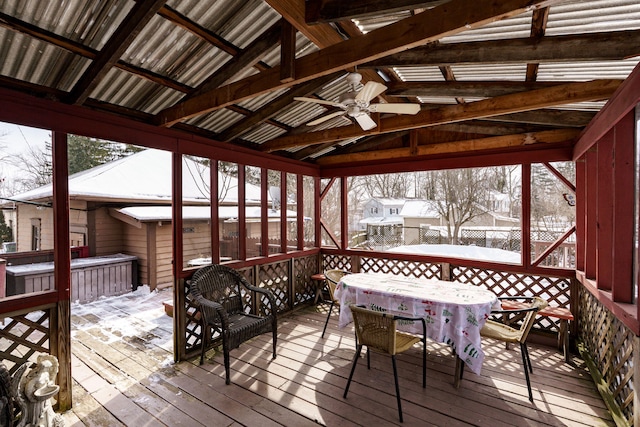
(377, 330)
(508, 334)
(332, 277)
(226, 300)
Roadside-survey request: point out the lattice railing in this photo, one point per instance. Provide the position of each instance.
(610, 345)
(289, 292)
(23, 335)
(303, 269)
(401, 267)
(555, 290)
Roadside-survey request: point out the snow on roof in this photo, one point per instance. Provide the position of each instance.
(420, 209)
(163, 213)
(382, 220)
(145, 176)
(459, 251)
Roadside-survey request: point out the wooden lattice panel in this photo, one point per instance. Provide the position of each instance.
(555, 290)
(400, 267)
(23, 335)
(336, 262)
(610, 345)
(275, 277)
(303, 287)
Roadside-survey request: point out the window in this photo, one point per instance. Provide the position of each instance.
(35, 233)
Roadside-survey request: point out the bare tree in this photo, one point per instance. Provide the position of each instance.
(461, 195)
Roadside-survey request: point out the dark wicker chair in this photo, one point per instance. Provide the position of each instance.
(228, 303)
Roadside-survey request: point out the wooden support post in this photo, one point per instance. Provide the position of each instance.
(60, 322)
(179, 298)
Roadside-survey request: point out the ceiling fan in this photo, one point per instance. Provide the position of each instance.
(357, 104)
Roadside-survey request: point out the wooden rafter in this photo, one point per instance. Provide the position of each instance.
(245, 58)
(525, 101)
(538, 28)
(475, 89)
(490, 143)
(615, 45)
(124, 35)
(429, 26)
(340, 10)
(274, 107)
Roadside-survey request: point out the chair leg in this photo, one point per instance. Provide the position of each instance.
(395, 377)
(353, 369)
(424, 362)
(204, 328)
(525, 362)
(225, 350)
(275, 339)
(328, 316)
(368, 359)
(459, 370)
(526, 352)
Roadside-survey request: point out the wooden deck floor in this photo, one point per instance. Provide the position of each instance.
(124, 375)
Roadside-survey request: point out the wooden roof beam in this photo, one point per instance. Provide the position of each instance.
(140, 14)
(429, 26)
(538, 28)
(490, 143)
(474, 89)
(245, 58)
(525, 101)
(615, 45)
(339, 10)
(274, 107)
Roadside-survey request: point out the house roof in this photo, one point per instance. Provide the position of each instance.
(499, 76)
(163, 213)
(144, 177)
(420, 209)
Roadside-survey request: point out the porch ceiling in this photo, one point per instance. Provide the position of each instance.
(498, 76)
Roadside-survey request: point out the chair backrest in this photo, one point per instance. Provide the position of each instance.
(218, 283)
(333, 277)
(375, 329)
(527, 323)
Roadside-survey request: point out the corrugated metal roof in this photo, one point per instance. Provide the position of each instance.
(171, 50)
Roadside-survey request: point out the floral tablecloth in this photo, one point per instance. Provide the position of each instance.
(454, 312)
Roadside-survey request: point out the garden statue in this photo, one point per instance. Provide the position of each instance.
(36, 389)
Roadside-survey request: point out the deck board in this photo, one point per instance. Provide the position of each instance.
(123, 378)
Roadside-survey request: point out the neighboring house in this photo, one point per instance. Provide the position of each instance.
(419, 221)
(125, 207)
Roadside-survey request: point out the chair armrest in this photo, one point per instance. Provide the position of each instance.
(414, 319)
(212, 309)
(266, 292)
(515, 310)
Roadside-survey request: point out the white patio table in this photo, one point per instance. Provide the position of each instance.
(454, 312)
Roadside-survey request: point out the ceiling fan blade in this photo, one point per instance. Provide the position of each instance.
(318, 101)
(365, 121)
(325, 118)
(370, 91)
(406, 108)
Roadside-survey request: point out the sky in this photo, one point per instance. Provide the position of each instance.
(16, 139)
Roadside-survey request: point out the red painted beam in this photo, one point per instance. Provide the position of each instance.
(604, 216)
(623, 100)
(623, 214)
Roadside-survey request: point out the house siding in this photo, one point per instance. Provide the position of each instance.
(107, 234)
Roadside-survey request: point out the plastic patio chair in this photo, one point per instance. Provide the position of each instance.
(508, 334)
(377, 331)
(332, 277)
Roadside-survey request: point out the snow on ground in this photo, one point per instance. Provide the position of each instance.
(459, 251)
(136, 314)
